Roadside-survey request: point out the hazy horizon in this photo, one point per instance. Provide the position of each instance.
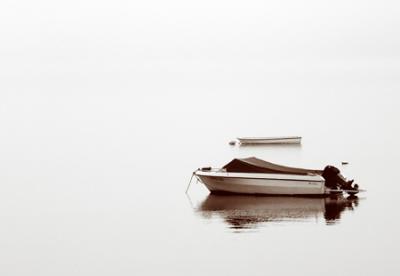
(107, 107)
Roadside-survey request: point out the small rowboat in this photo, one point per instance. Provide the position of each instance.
(270, 140)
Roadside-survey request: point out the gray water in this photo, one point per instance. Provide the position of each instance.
(107, 108)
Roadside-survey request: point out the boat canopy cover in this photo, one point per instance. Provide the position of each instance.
(255, 165)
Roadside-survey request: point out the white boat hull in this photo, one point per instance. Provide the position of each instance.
(270, 140)
(263, 184)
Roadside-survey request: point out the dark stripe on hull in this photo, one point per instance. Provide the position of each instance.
(216, 192)
(278, 179)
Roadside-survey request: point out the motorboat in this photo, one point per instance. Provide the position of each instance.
(253, 176)
(269, 140)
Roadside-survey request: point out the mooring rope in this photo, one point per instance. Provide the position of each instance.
(193, 173)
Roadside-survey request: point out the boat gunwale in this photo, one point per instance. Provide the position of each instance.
(302, 178)
(270, 138)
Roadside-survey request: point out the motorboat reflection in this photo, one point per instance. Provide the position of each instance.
(246, 212)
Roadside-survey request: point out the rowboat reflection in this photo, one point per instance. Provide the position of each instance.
(242, 212)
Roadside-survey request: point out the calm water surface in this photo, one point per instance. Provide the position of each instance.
(107, 108)
(104, 193)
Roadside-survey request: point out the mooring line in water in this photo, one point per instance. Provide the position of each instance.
(190, 182)
(190, 202)
(187, 189)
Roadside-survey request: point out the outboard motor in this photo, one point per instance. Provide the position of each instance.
(335, 180)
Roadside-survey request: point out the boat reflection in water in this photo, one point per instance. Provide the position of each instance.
(247, 212)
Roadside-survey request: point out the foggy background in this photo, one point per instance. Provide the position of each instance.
(106, 107)
(86, 60)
